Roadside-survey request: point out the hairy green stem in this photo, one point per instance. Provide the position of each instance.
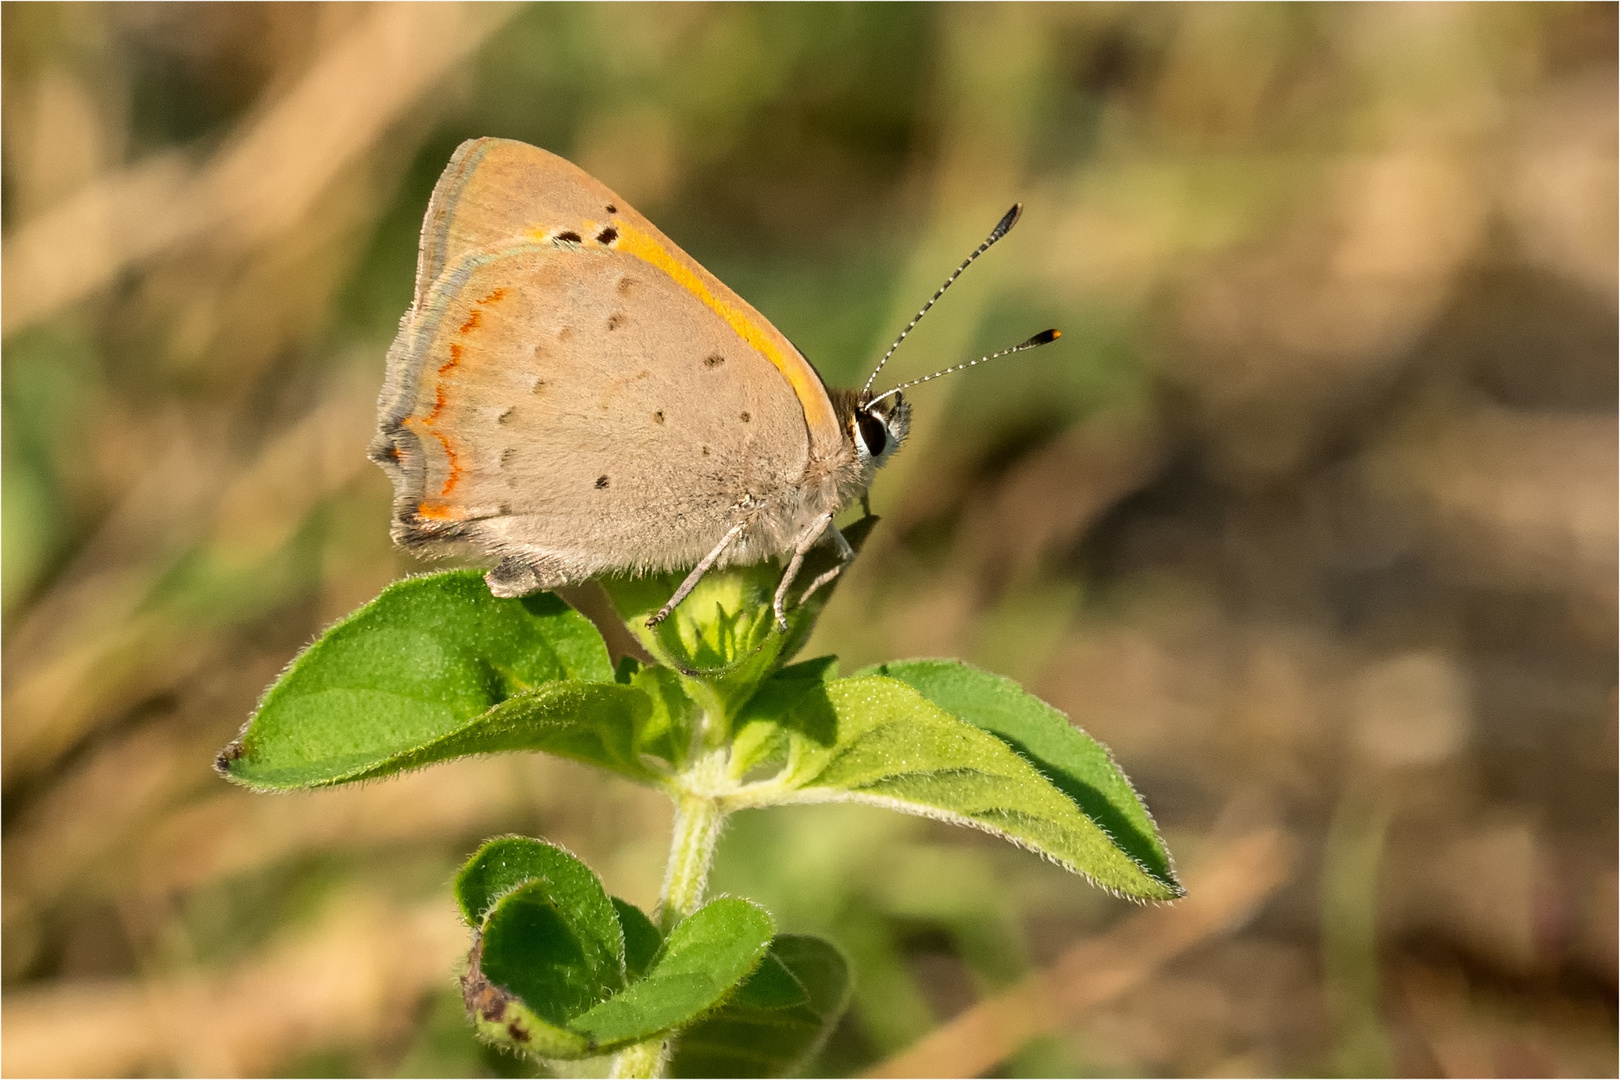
(698, 821)
(643, 1060)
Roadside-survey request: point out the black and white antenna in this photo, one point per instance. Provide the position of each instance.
(1045, 337)
(1008, 220)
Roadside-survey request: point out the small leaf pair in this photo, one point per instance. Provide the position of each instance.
(561, 970)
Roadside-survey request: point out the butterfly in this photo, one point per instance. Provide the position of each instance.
(571, 395)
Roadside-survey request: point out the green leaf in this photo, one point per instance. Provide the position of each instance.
(509, 862)
(502, 1018)
(550, 945)
(641, 938)
(667, 733)
(1074, 762)
(405, 671)
(876, 740)
(759, 745)
(593, 722)
(705, 957)
(777, 1020)
(545, 944)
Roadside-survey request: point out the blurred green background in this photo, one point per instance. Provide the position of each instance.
(1311, 515)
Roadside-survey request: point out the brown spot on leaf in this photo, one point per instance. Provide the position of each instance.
(480, 995)
(516, 1032)
(222, 763)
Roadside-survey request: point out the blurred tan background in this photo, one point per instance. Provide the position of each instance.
(1311, 516)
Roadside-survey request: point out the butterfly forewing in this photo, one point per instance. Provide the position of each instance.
(571, 388)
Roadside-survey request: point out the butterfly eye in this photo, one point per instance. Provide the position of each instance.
(873, 435)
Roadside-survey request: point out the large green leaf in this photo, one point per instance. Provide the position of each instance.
(777, 1020)
(433, 668)
(705, 956)
(762, 746)
(593, 722)
(877, 740)
(1075, 763)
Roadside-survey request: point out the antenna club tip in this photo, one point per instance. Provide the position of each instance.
(1008, 220)
(1045, 337)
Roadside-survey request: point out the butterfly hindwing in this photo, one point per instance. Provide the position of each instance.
(594, 416)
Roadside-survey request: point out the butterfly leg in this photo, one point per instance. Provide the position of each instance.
(807, 540)
(697, 574)
(845, 554)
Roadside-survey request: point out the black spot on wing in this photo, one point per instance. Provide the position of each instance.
(607, 235)
(713, 360)
(610, 208)
(601, 482)
(658, 417)
(615, 320)
(569, 237)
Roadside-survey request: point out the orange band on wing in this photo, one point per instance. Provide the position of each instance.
(440, 510)
(811, 394)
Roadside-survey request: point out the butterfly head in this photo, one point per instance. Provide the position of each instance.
(878, 428)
